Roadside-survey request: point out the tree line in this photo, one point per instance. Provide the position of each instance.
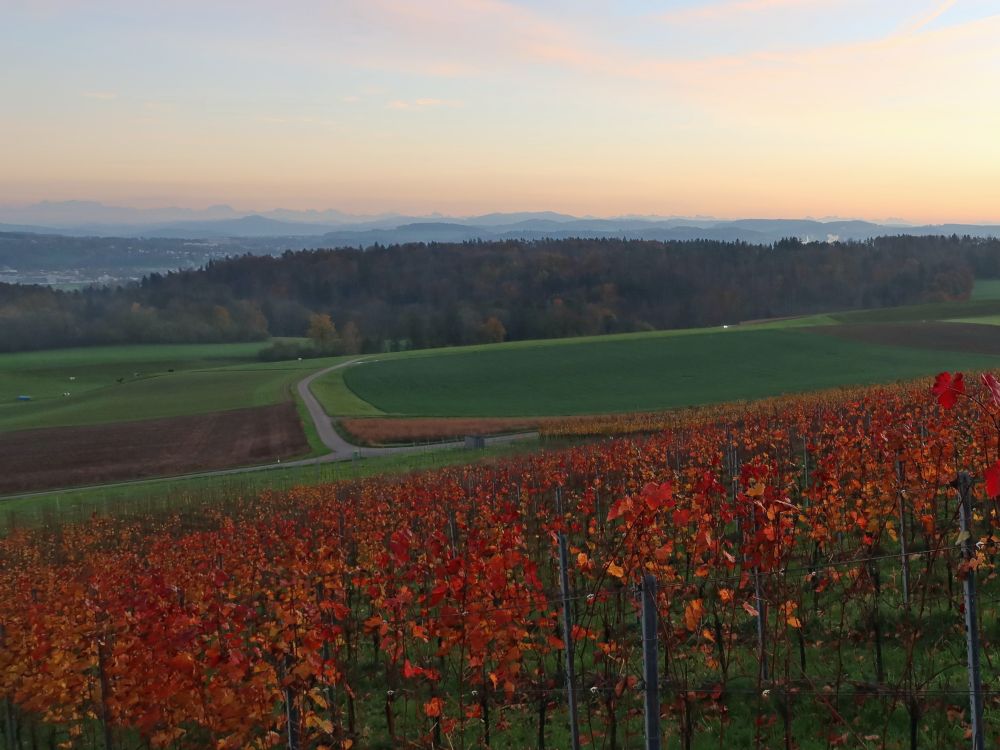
(427, 295)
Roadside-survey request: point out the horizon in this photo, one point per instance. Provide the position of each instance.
(728, 108)
(349, 218)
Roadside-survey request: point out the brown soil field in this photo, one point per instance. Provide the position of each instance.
(71, 456)
(390, 430)
(956, 337)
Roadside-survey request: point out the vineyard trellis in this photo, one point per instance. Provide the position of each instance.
(808, 588)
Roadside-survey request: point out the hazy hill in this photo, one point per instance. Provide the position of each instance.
(291, 228)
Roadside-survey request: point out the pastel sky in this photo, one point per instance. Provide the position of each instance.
(733, 108)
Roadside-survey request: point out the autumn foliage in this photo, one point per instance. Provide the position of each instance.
(425, 610)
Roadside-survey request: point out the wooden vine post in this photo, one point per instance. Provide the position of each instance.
(964, 486)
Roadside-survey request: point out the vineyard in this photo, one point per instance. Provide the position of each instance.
(811, 582)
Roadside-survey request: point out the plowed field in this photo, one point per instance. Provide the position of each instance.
(64, 456)
(971, 338)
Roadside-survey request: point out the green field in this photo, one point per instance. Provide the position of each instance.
(635, 371)
(157, 381)
(338, 399)
(655, 372)
(986, 289)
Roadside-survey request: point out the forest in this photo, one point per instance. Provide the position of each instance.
(428, 295)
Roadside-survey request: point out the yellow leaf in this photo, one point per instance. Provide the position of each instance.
(319, 700)
(616, 570)
(793, 621)
(318, 722)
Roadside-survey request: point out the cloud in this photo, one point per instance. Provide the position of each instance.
(422, 103)
(715, 11)
(103, 96)
(915, 25)
(295, 120)
(457, 38)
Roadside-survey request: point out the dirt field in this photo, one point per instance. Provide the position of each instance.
(63, 457)
(389, 430)
(955, 337)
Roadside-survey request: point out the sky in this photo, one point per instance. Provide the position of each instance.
(875, 109)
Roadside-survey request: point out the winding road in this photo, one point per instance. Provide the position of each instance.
(340, 449)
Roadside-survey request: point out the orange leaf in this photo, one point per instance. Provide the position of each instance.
(692, 614)
(432, 708)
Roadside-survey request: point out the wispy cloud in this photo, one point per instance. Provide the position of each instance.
(920, 22)
(295, 120)
(422, 103)
(729, 8)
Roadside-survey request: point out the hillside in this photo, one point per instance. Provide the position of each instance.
(430, 295)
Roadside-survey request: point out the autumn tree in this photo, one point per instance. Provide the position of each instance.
(351, 338)
(221, 318)
(323, 332)
(492, 331)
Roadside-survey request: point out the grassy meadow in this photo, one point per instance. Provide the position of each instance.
(637, 371)
(654, 372)
(156, 381)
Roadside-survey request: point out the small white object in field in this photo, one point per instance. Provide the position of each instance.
(65, 393)
(72, 377)
(725, 326)
(300, 359)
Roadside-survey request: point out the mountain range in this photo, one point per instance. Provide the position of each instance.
(331, 228)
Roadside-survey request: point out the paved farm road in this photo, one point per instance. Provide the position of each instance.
(340, 449)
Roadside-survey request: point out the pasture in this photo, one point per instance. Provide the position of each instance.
(133, 383)
(617, 374)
